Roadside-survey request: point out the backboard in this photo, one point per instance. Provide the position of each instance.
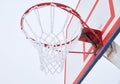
(99, 15)
(102, 15)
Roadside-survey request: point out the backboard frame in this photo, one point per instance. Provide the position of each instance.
(102, 51)
(107, 40)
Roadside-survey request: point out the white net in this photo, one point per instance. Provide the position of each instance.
(51, 57)
(52, 30)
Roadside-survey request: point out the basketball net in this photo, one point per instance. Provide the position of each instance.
(53, 28)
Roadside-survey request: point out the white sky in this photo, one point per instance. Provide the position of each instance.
(19, 61)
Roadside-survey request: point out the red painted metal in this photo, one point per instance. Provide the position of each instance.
(94, 38)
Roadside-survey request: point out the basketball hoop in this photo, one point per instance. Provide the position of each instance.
(52, 31)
